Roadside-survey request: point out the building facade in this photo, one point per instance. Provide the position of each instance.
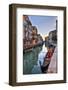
(30, 33)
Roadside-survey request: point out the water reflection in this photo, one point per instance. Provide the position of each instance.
(33, 59)
(30, 59)
(37, 68)
(41, 55)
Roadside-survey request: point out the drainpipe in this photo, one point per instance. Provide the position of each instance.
(56, 24)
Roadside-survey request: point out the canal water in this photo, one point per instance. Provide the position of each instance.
(33, 59)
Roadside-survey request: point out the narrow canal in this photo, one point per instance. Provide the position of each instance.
(33, 59)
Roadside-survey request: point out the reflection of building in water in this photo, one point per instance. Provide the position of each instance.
(30, 60)
(41, 55)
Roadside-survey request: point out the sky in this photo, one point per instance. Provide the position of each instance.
(44, 24)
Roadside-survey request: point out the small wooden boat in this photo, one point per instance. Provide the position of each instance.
(47, 60)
